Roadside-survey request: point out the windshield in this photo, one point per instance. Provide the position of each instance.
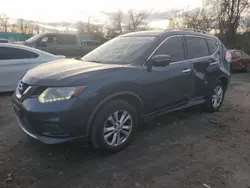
(121, 50)
(32, 39)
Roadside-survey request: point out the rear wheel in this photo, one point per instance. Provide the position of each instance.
(114, 126)
(216, 97)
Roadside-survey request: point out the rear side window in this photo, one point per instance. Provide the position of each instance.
(66, 39)
(7, 53)
(196, 47)
(212, 46)
(173, 47)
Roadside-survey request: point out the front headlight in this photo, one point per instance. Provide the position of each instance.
(60, 93)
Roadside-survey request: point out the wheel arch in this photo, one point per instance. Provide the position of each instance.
(130, 97)
(224, 80)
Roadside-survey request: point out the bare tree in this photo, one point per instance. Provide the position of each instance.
(116, 21)
(4, 19)
(31, 29)
(37, 28)
(20, 23)
(89, 27)
(25, 28)
(200, 18)
(230, 14)
(13, 28)
(136, 20)
(81, 27)
(66, 26)
(245, 23)
(175, 19)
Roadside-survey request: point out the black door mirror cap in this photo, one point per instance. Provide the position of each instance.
(161, 60)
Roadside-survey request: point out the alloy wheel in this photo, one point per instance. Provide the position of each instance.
(217, 96)
(118, 128)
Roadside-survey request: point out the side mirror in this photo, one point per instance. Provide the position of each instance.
(160, 60)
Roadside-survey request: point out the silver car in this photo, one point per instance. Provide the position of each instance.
(16, 60)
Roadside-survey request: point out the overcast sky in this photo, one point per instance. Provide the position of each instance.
(75, 10)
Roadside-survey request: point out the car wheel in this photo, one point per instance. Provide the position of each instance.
(114, 126)
(216, 97)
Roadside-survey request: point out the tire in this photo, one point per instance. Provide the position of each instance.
(103, 140)
(210, 105)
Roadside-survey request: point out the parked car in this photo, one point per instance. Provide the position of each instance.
(4, 40)
(105, 97)
(240, 61)
(16, 60)
(70, 45)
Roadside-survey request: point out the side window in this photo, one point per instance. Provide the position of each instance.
(212, 46)
(7, 53)
(66, 39)
(173, 47)
(196, 47)
(49, 39)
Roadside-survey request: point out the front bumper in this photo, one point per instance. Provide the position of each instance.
(45, 139)
(51, 123)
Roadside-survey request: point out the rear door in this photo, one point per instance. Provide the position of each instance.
(205, 62)
(14, 63)
(68, 45)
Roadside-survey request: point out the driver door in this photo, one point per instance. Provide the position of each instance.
(171, 85)
(48, 44)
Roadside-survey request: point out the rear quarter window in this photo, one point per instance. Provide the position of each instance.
(66, 39)
(212, 46)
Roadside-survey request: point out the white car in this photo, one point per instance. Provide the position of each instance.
(16, 60)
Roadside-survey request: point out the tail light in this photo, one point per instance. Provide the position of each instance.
(228, 57)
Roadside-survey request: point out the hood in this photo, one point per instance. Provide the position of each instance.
(67, 72)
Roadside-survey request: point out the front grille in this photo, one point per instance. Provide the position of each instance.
(25, 91)
(22, 87)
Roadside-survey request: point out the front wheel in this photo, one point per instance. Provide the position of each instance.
(114, 126)
(216, 97)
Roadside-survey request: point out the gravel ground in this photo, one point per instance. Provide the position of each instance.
(179, 150)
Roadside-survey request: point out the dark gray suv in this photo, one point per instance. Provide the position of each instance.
(105, 96)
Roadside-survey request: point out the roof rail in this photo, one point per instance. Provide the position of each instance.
(188, 29)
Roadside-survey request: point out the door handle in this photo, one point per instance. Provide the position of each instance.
(214, 63)
(186, 70)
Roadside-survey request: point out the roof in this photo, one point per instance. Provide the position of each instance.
(152, 33)
(155, 33)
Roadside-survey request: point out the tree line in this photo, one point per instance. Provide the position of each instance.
(21, 26)
(228, 19)
(119, 22)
